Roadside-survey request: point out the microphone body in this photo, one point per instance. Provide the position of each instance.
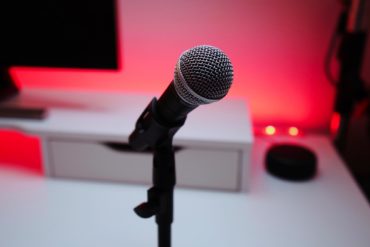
(171, 108)
(203, 75)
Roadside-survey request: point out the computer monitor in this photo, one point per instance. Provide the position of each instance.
(56, 33)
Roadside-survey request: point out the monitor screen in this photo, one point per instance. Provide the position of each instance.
(58, 33)
(54, 33)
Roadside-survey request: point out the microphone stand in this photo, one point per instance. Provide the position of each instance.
(151, 132)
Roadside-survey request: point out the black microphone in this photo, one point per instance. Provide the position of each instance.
(203, 75)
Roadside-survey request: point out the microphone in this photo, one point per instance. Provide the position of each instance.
(203, 75)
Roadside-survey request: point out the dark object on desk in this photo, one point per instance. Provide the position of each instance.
(23, 113)
(291, 162)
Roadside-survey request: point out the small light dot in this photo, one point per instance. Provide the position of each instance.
(270, 130)
(335, 123)
(293, 131)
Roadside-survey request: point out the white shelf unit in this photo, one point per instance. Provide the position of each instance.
(214, 144)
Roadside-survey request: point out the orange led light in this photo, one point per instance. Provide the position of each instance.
(270, 130)
(293, 131)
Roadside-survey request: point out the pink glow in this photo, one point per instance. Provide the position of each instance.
(277, 48)
(20, 151)
(334, 123)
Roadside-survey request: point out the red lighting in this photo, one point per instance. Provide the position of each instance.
(20, 151)
(293, 131)
(334, 123)
(270, 130)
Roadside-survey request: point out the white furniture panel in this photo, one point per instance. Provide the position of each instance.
(216, 139)
(202, 168)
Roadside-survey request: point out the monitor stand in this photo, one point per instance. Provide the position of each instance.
(9, 89)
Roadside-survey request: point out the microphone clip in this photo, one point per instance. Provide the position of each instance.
(150, 130)
(149, 208)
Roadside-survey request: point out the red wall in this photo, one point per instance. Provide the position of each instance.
(277, 48)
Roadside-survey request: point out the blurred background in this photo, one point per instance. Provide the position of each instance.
(278, 50)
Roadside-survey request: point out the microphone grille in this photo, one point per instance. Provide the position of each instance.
(203, 75)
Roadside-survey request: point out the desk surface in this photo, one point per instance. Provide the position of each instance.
(327, 211)
(111, 116)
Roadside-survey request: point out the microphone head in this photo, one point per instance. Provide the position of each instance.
(203, 75)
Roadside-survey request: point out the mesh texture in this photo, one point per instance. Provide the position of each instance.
(203, 75)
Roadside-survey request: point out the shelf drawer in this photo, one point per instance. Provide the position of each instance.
(199, 168)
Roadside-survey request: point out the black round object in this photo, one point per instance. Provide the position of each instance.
(291, 162)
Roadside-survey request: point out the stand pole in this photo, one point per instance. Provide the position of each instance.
(150, 132)
(164, 180)
(164, 235)
(160, 196)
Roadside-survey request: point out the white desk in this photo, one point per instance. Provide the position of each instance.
(216, 140)
(327, 211)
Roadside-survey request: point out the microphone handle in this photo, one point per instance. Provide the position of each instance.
(171, 108)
